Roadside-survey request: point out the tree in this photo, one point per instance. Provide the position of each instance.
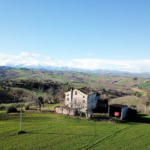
(19, 92)
(137, 94)
(40, 102)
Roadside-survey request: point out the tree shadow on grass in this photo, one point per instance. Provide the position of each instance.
(139, 118)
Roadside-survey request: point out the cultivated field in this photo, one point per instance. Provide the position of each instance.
(48, 130)
(145, 85)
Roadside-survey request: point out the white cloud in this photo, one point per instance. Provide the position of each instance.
(122, 65)
(27, 59)
(49, 58)
(26, 54)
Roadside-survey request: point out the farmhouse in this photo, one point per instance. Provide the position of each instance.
(83, 99)
(79, 100)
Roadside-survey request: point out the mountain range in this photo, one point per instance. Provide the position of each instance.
(99, 71)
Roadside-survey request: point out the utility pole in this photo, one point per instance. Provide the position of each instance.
(145, 104)
(21, 119)
(20, 132)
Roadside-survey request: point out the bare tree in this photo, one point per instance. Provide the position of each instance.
(39, 102)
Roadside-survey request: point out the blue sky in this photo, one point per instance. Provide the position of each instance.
(76, 33)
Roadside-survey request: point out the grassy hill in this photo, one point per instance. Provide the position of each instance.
(126, 100)
(19, 71)
(145, 85)
(78, 78)
(48, 130)
(123, 81)
(130, 81)
(5, 95)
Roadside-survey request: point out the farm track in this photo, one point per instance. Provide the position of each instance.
(138, 90)
(107, 137)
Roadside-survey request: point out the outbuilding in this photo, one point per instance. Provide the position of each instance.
(117, 110)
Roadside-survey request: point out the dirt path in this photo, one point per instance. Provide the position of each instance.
(138, 90)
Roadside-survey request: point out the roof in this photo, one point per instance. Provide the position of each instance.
(118, 105)
(87, 91)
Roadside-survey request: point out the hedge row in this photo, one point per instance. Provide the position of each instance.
(13, 107)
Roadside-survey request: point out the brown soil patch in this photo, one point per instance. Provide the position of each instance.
(138, 90)
(111, 85)
(145, 81)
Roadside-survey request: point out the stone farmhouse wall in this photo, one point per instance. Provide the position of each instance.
(71, 112)
(81, 100)
(66, 111)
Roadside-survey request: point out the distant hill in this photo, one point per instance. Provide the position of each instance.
(99, 71)
(6, 67)
(76, 77)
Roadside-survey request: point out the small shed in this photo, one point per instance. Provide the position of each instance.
(117, 110)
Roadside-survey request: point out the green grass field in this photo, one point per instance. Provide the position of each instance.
(66, 80)
(143, 93)
(23, 78)
(123, 81)
(145, 85)
(43, 93)
(107, 79)
(19, 71)
(94, 84)
(94, 77)
(48, 130)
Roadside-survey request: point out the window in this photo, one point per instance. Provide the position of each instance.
(67, 99)
(83, 96)
(83, 101)
(76, 93)
(67, 94)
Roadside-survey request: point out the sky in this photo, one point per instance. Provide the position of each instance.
(83, 34)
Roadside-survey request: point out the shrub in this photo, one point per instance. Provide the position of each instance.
(26, 106)
(11, 109)
(12, 105)
(2, 107)
(137, 94)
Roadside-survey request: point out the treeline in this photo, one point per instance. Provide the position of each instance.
(30, 90)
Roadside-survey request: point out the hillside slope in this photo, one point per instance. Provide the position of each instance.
(126, 100)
